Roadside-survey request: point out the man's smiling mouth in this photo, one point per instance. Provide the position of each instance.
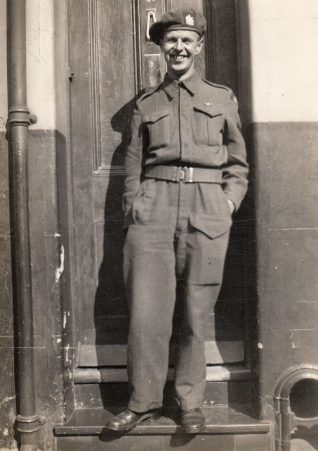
(178, 57)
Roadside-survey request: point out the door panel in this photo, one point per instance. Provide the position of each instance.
(112, 58)
(112, 61)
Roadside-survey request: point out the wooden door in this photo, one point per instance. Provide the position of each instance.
(112, 61)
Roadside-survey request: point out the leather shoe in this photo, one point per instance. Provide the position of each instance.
(128, 420)
(192, 421)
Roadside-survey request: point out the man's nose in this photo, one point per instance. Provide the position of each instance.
(179, 44)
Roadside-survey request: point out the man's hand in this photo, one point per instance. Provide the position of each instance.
(231, 205)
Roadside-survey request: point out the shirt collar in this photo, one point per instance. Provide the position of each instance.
(171, 86)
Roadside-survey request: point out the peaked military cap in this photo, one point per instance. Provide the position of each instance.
(181, 19)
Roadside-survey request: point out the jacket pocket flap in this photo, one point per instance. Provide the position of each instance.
(209, 109)
(212, 226)
(156, 115)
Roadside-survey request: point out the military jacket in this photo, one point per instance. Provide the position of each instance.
(191, 123)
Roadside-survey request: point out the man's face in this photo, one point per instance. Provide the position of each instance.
(179, 48)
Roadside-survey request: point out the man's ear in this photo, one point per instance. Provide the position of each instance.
(199, 45)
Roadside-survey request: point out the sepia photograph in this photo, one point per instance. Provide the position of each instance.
(159, 225)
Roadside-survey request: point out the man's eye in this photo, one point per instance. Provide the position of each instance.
(187, 41)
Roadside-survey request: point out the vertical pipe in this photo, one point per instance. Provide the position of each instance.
(28, 422)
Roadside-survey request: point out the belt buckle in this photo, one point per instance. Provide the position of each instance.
(182, 174)
(186, 174)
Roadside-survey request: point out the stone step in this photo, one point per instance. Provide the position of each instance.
(219, 420)
(216, 352)
(226, 387)
(214, 373)
(181, 442)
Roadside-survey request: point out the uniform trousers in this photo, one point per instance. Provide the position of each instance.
(178, 235)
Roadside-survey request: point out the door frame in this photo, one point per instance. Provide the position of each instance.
(64, 168)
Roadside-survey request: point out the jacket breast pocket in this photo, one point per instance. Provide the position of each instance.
(158, 124)
(208, 124)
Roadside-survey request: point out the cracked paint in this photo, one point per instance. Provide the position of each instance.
(59, 271)
(66, 314)
(67, 348)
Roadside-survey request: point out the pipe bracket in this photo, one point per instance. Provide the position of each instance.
(18, 116)
(28, 425)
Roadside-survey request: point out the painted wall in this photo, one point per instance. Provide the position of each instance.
(40, 43)
(284, 39)
(40, 62)
(279, 49)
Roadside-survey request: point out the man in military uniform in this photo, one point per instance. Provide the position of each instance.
(186, 172)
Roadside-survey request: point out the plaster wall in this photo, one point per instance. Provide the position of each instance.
(40, 41)
(284, 62)
(40, 62)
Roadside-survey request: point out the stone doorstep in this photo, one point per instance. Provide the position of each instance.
(215, 373)
(219, 420)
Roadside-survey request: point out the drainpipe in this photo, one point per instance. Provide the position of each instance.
(27, 422)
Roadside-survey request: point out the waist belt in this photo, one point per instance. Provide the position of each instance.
(184, 174)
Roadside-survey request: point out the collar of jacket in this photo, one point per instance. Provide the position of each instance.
(171, 86)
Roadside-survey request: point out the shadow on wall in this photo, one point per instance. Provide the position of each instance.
(110, 312)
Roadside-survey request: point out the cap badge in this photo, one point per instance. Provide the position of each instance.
(189, 20)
